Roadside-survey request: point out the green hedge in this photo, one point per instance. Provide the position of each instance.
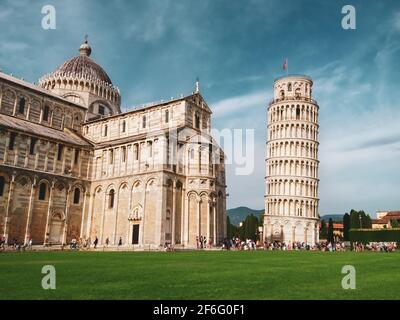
(371, 235)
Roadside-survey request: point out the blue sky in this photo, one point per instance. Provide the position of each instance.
(154, 50)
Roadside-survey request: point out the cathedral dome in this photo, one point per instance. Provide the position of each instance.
(83, 66)
(83, 81)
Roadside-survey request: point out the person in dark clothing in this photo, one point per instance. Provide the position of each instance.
(120, 241)
(96, 241)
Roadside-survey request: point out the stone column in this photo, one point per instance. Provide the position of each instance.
(30, 208)
(186, 219)
(8, 208)
(66, 213)
(161, 213)
(305, 235)
(15, 105)
(86, 197)
(173, 212)
(215, 223)
(46, 159)
(90, 214)
(115, 209)
(208, 221)
(103, 217)
(28, 109)
(186, 226)
(7, 142)
(198, 217)
(46, 233)
(142, 227)
(182, 215)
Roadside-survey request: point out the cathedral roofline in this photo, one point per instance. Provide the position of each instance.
(31, 128)
(145, 107)
(38, 89)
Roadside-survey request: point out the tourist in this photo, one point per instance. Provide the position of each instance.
(107, 241)
(120, 242)
(96, 241)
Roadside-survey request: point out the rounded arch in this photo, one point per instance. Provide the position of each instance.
(123, 185)
(150, 183)
(136, 185)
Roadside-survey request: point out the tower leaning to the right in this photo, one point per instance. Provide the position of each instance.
(291, 196)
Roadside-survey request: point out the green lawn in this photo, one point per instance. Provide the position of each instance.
(199, 275)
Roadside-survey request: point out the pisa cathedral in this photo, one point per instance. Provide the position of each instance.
(73, 166)
(291, 198)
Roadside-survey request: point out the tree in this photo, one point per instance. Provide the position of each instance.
(250, 227)
(360, 220)
(261, 219)
(330, 236)
(323, 232)
(354, 219)
(346, 226)
(232, 230)
(394, 223)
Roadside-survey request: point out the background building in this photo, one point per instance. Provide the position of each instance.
(386, 220)
(73, 166)
(291, 198)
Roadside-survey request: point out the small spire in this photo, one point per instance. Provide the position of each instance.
(85, 49)
(197, 85)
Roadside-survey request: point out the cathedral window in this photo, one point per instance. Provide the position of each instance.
(123, 126)
(166, 116)
(12, 141)
(46, 111)
(289, 87)
(21, 106)
(123, 154)
(77, 195)
(150, 148)
(136, 151)
(197, 121)
(32, 146)
(76, 156)
(111, 156)
(102, 110)
(2, 183)
(192, 154)
(42, 191)
(111, 199)
(144, 122)
(60, 152)
(298, 113)
(105, 130)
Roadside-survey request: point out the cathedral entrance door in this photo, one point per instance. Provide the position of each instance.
(56, 231)
(135, 234)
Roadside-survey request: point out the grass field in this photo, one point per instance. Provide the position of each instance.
(199, 275)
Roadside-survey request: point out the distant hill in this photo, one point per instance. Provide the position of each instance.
(239, 214)
(334, 217)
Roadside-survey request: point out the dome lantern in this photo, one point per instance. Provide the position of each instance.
(85, 49)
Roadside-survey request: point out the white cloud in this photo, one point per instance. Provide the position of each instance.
(238, 104)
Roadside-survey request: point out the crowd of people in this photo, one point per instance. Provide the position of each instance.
(227, 244)
(75, 244)
(248, 244)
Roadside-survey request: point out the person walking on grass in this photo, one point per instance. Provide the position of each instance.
(96, 241)
(120, 242)
(107, 242)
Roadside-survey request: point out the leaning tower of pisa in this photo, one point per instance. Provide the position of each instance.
(291, 197)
